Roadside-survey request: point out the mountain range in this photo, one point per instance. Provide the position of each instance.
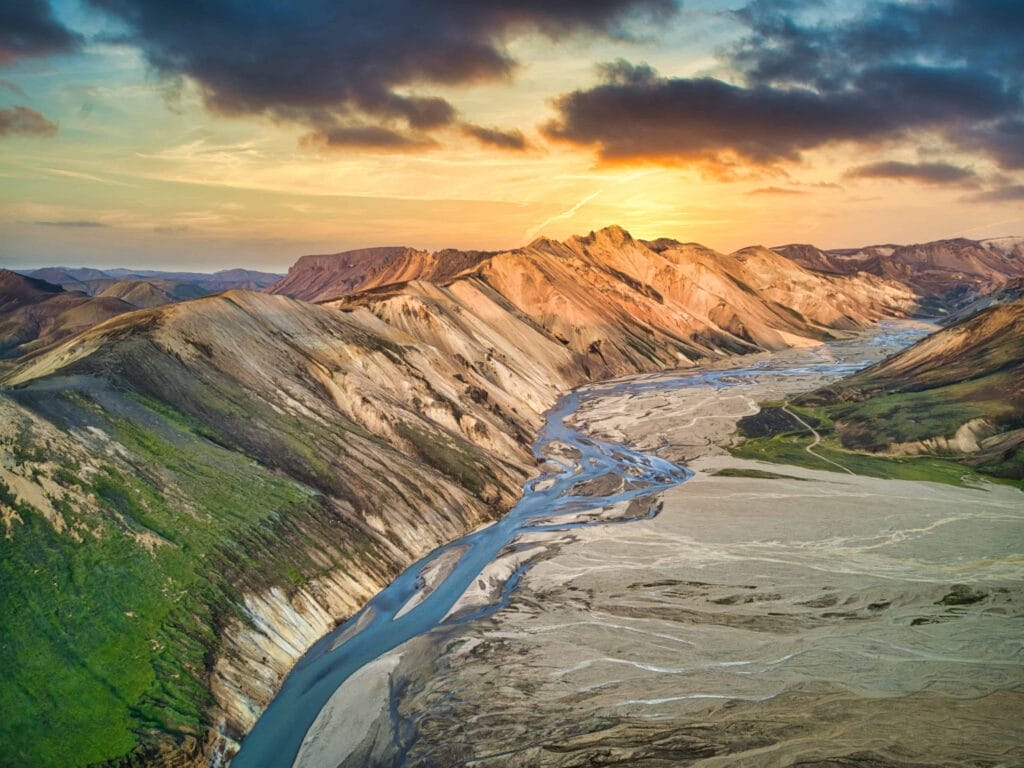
(206, 484)
(941, 273)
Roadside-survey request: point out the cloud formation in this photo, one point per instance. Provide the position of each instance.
(776, 191)
(947, 68)
(928, 173)
(496, 137)
(28, 28)
(22, 121)
(346, 68)
(71, 224)
(1005, 193)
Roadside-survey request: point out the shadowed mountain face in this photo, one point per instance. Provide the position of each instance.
(206, 487)
(1010, 291)
(951, 271)
(35, 313)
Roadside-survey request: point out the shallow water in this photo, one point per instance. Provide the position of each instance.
(382, 625)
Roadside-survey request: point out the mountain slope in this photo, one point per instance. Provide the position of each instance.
(34, 313)
(1009, 292)
(957, 395)
(139, 293)
(207, 487)
(951, 271)
(330, 276)
(619, 305)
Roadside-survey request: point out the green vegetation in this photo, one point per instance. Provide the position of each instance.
(457, 461)
(195, 492)
(968, 373)
(759, 474)
(916, 402)
(902, 417)
(789, 446)
(105, 641)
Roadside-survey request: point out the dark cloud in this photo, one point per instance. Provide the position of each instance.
(1003, 140)
(776, 191)
(23, 121)
(74, 224)
(28, 28)
(929, 173)
(340, 65)
(636, 114)
(365, 137)
(781, 48)
(894, 71)
(1003, 194)
(495, 137)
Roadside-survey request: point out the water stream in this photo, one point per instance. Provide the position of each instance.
(383, 625)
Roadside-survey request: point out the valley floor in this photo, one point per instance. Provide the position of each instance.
(769, 615)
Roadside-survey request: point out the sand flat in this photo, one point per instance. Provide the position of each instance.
(819, 617)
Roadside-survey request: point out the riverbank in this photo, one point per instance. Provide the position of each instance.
(816, 616)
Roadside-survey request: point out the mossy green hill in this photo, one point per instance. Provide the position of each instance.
(171, 471)
(950, 404)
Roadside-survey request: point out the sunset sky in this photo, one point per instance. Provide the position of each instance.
(205, 135)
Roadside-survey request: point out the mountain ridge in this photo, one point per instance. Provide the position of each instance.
(949, 271)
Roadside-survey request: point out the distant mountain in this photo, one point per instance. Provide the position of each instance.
(35, 313)
(93, 281)
(949, 271)
(139, 293)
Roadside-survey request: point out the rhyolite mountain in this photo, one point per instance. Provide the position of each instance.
(943, 272)
(621, 304)
(35, 313)
(193, 493)
(329, 276)
(42, 306)
(91, 281)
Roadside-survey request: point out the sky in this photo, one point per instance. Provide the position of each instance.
(217, 134)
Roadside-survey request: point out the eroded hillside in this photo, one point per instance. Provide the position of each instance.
(204, 489)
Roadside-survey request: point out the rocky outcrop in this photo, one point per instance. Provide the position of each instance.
(968, 438)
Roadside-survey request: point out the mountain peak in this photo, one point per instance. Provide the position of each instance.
(613, 234)
(17, 285)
